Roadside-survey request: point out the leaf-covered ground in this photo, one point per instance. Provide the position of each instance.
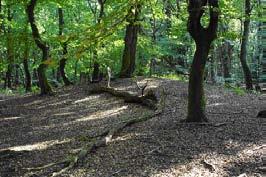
(41, 130)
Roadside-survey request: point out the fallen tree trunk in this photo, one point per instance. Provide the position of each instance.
(149, 99)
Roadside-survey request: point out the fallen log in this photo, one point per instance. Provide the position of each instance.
(149, 99)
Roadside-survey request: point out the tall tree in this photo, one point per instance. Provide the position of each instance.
(63, 61)
(244, 43)
(131, 37)
(43, 82)
(203, 37)
(226, 57)
(25, 60)
(10, 52)
(98, 19)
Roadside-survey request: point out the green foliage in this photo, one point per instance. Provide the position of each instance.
(237, 90)
(163, 34)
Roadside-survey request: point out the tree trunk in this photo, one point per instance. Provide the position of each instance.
(8, 83)
(25, 62)
(96, 72)
(227, 57)
(168, 13)
(131, 37)
(62, 62)
(10, 52)
(43, 82)
(96, 65)
(16, 78)
(196, 104)
(243, 52)
(203, 38)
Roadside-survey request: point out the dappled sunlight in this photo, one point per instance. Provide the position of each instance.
(64, 114)
(125, 137)
(90, 98)
(33, 102)
(214, 96)
(59, 102)
(216, 104)
(39, 146)
(103, 114)
(10, 118)
(98, 101)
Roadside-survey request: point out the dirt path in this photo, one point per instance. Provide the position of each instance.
(41, 130)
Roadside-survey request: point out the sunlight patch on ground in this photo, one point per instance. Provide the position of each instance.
(64, 114)
(59, 103)
(218, 161)
(103, 114)
(34, 102)
(214, 96)
(87, 99)
(125, 137)
(216, 104)
(9, 118)
(38, 146)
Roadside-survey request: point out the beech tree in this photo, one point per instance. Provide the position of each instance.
(63, 60)
(203, 37)
(131, 38)
(26, 58)
(244, 43)
(43, 82)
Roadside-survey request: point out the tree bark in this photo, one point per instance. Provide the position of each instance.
(25, 61)
(96, 65)
(63, 61)
(227, 57)
(10, 52)
(244, 43)
(203, 38)
(43, 82)
(149, 99)
(168, 13)
(131, 37)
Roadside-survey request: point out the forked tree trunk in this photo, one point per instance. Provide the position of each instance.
(243, 52)
(43, 82)
(63, 61)
(131, 37)
(203, 38)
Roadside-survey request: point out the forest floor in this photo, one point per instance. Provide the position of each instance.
(37, 131)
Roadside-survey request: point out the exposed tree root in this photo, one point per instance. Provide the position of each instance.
(149, 99)
(6, 154)
(92, 146)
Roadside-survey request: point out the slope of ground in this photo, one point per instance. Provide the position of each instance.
(36, 131)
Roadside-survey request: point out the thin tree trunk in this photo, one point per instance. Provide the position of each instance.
(10, 55)
(131, 37)
(212, 69)
(25, 61)
(63, 61)
(96, 65)
(243, 52)
(227, 57)
(43, 82)
(16, 78)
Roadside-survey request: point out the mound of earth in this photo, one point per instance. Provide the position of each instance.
(37, 131)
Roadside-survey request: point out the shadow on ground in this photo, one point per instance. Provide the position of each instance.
(47, 129)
